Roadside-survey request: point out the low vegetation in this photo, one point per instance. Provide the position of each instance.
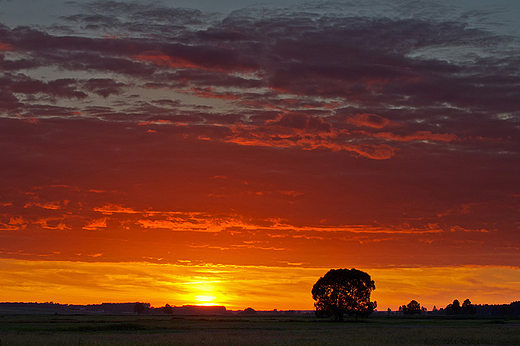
(57, 330)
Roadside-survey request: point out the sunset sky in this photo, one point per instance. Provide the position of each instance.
(232, 152)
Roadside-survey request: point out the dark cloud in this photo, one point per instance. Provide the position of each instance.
(16, 84)
(103, 86)
(282, 127)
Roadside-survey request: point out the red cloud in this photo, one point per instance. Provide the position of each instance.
(308, 135)
(418, 136)
(162, 59)
(5, 47)
(369, 120)
(28, 120)
(197, 58)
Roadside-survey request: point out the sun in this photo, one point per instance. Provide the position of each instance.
(205, 299)
(204, 293)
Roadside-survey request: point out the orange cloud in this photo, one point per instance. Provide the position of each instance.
(95, 225)
(196, 222)
(109, 209)
(44, 223)
(462, 229)
(18, 222)
(8, 227)
(49, 205)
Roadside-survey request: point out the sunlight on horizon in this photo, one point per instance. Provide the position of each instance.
(204, 293)
(205, 299)
(238, 287)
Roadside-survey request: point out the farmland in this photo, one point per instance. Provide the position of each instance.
(47, 330)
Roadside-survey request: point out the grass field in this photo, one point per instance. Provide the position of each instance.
(47, 330)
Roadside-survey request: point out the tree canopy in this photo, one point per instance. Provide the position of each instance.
(343, 291)
(413, 308)
(456, 309)
(139, 308)
(453, 308)
(167, 309)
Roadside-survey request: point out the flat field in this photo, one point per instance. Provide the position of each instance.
(56, 330)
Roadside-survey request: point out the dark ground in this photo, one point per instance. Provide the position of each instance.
(46, 330)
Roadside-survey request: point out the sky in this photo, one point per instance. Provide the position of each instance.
(232, 152)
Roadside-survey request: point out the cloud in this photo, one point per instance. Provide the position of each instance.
(417, 136)
(52, 223)
(95, 225)
(187, 57)
(22, 84)
(13, 223)
(368, 120)
(5, 47)
(209, 93)
(353, 126)
(8, 227)
(49, 205)
(346, 60)
(104, 86)
(308, 133)
(110, 209)
(460, 229)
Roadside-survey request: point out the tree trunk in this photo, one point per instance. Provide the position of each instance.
(339, 316)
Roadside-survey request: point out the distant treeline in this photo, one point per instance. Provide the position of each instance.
(512, 309)
(107, 308)
(455, 309)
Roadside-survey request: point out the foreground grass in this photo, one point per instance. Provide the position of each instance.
(45, 330)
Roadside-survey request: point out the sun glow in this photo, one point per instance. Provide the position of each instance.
(206, 300)
(237, 287)
(204, 293)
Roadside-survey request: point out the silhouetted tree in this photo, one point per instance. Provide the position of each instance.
(167, 309)
(468, 308)
(413, 308)
(139, 308)
(248, 312)
(343, 291)
(453, 308)
(323, 313)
